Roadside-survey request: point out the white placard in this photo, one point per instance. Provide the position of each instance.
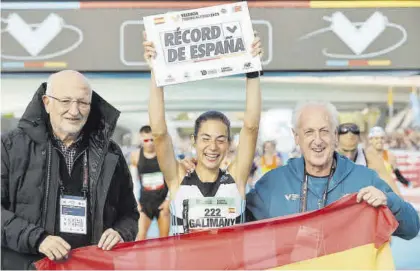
(202, 43)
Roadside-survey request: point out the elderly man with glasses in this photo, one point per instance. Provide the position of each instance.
(321, 176)
(64, 182)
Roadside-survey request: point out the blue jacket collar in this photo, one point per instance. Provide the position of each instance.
(343, 168)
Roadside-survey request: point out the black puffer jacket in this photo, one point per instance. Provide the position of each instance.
(29, 193)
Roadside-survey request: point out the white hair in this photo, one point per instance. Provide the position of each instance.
(331, 109)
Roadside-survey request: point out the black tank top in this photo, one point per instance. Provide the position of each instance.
(151, 177)
(146, 165)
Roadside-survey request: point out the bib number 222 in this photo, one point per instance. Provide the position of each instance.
(212, 212)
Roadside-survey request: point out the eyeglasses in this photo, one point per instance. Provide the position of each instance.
(348, 128)
(147, 140)
(66, 103)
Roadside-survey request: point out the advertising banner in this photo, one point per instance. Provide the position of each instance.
(107, 36)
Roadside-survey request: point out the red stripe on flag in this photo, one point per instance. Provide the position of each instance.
(258, 245)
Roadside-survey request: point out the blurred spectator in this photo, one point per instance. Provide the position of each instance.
(152, 197)
(405, 140)
(127, 147)
(377, 141)
(350, 147)
(349, 143)
(269, 159)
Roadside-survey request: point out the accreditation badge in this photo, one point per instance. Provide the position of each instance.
(73, 218)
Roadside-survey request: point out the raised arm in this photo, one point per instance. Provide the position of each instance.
(241, 166)
(163, 142)
(400, 177)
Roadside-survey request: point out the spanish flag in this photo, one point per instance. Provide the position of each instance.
(343, 235)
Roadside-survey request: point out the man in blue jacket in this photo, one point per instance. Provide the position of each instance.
(321, 176)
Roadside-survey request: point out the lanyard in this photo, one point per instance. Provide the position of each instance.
(304, 190)
(185, 225)
(85, 187)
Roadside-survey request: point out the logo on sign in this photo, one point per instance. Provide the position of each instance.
(195, 15)
(169, 79)
(208, 72)
(176, 18)
(226, 69)
(34, 38)
(247, 65)
(359, 36)
(190, 14)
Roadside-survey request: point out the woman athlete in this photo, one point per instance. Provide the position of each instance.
(209, 197)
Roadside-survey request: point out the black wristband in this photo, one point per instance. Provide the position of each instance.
(40, 240)
(400, 177)
(254, 74)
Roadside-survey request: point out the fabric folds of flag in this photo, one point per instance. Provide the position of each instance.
(343, 235)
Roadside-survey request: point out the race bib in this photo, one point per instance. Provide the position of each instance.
(73, 214)
(153, 181)
(210, 213)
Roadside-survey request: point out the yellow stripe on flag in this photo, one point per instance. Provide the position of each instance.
(358, 258)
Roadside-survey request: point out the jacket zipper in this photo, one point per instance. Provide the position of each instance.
(75, 159)
(44, 210)
(101, 159)
(91, 199)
